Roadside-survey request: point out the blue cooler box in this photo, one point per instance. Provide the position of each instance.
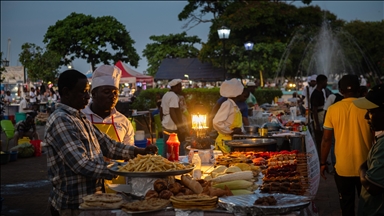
(141, 143)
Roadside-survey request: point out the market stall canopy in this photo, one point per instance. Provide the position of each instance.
(193, 67)
(128, 74)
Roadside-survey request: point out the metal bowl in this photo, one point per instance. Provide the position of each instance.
(251, 129)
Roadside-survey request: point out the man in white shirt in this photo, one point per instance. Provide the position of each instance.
(8, 97)
(32, 96)
(171, 114)
(23, 106)
(363, 81)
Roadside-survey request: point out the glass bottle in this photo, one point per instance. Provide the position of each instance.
(197, 162)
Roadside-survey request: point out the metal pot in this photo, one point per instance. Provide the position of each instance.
(251, 129)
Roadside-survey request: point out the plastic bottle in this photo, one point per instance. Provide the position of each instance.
(197, 162)
(173, 145)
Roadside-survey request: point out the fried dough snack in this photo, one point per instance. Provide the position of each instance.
(145, 205)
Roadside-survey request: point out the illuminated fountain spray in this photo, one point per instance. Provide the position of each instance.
(333, 53)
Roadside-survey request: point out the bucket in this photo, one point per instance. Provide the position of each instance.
(141, 143)
(12, 118)
(13, 156)
(20, 117)
(139, 135)
(160, 146)
(37, 145)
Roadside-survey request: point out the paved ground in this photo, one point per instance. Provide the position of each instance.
(25, 188)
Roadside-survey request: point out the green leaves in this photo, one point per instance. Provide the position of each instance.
(169, 46)
(97, 40)
(2, 68)
(41, 64)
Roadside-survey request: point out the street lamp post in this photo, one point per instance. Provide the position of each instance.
(223, 33)
(249, 47)
(5, 63)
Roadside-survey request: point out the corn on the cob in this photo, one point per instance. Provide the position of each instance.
(241, 192)
(237, 184)
(243, 175)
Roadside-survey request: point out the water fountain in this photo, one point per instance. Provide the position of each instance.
(333, 53)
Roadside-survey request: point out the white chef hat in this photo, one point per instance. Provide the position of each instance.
(313, 77)
(231, 88)
(174, 82)
(106, 75)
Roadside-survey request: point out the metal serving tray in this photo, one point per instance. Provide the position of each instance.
(244, 204)
(114, 167)
(254, 142)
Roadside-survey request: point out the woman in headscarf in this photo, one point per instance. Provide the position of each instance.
(228, 119)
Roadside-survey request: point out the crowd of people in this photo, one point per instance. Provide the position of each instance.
(82, 135)
(346, 124)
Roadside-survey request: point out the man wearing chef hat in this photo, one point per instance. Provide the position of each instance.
(101, 111)
(228, 119)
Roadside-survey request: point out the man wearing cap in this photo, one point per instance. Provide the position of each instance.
(228, 119)
(353, 140)
(251, 100)
(76, 149)
(372, 170)
(102, 113)
(171, 113)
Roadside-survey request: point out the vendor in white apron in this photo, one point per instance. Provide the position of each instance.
(102, 113)
(228, 119)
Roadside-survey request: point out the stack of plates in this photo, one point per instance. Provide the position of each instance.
(194, 202)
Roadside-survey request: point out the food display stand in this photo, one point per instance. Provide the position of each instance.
(286, 203)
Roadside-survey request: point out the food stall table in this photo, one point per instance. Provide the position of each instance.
(166, 212)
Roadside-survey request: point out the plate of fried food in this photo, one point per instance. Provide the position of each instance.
(145, 206)
(149, 166)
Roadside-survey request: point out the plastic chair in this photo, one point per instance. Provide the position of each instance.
(158, 126)
(9, 130)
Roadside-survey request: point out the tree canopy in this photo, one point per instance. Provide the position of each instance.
(40, 64)
(2, 68)
(169, 46)
(98, 40)
(369, 37)
(271, 26)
